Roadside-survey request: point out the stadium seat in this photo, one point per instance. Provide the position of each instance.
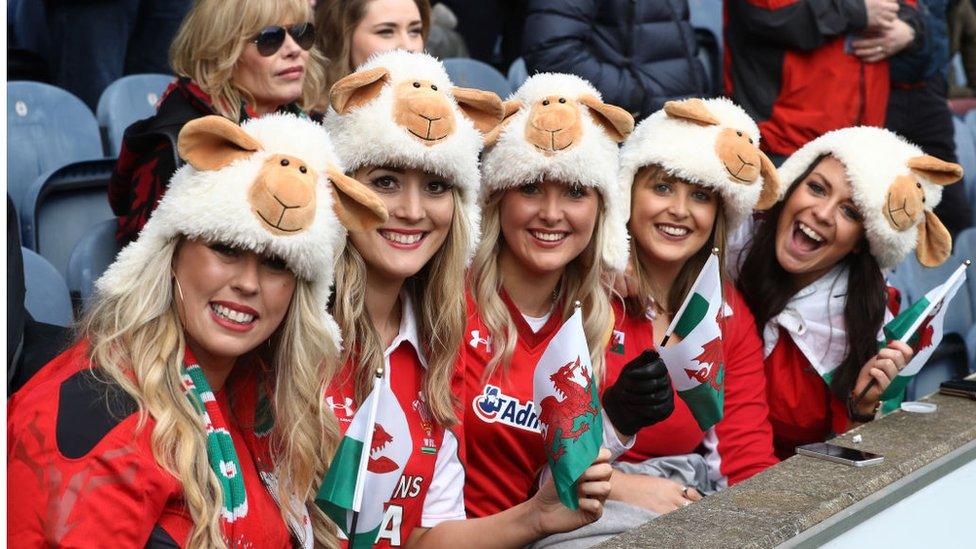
(707, 14)
(517, 74)
(125, 101)
(471, 73)
(47, 128)
(947, 362)
(709, 53)
(966, 153)
(963, 248)
(61, 205)
(46, 297)
(93, 253)
(971, 348)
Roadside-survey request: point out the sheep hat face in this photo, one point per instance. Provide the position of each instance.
(894, 185)
(272, 185)
(557, 127)
(711, 142)
(400, 109)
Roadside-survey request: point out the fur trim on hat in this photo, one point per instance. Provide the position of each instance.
(557, 127)
(368, 132)
(884, 171)
(219, 204)
(711, 142)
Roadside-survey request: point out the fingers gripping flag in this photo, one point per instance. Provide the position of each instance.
(920, 326)
(366, 467)
(697, 364)
(566, 394)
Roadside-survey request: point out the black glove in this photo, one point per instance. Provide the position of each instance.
(641, 396)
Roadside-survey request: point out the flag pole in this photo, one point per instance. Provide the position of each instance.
(358, 497)
(911, 331)
(684, 305)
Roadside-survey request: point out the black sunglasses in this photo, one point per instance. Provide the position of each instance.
(270, 39)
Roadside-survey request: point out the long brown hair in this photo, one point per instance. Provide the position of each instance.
(767, 288)
(637, 304)
(336, 21)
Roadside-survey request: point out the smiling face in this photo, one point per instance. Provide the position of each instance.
(274, 80)
(421, 207)
(819, 224)
(670, 219)
(547, 225)
(229, 300)
(386, 25)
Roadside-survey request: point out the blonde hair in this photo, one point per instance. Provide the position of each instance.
(437, 292)
(337, 21)
(213, 36)
(639, 303)
(584, 279)
(137, 342)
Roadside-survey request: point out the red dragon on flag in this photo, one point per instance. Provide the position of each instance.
(559, 416)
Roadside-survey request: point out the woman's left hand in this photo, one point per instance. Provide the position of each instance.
(888, 43)
(593, 488)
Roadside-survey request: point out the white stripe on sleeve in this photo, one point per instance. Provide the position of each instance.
(445, 496)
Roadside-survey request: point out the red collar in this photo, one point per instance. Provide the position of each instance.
(525, 333)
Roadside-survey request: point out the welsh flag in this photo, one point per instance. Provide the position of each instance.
(566, 394)
(696, 363)
(362, 476)
(920, 326)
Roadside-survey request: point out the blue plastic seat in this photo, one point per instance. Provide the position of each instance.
(46, 296)
(93, 253)
(971, 348)
(127, 100)
(518, 73)
(707, 14)
(966, 153)
(61, 205)
(47, 127)
(471, 73)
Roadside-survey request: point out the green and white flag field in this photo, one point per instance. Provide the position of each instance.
(696, 363)
(566, 394)
(367, 466)
(920, 326)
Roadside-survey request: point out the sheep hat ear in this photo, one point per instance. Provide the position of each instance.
(557, 127)
(234, 191)
(710, 142)
(401, 109)
(894, 185)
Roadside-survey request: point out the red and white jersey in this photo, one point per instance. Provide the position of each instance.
(431, 488)
(738, 446)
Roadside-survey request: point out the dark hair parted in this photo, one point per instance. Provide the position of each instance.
(767, 288)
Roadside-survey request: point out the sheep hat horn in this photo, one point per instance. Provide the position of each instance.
(272, 185)
(894, 185)
(557, 127)
(711, 142)
(401, 109)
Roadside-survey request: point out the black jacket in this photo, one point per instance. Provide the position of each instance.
(638, 53)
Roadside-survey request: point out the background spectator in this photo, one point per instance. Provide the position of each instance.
(492, 29)
(639, 54)
(232, 59)
(805, 67)
(94, 43)
(444, 40)
(962, 40)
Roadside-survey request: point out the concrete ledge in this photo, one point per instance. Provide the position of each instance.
(803, 493)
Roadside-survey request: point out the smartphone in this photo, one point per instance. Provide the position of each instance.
(959, 387)
(840, 454)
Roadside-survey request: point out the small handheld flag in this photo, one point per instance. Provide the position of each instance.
(565, 392)
(697, 363)
(366, 467)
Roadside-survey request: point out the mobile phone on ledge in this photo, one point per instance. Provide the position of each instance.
(840, 454)
(959, 387)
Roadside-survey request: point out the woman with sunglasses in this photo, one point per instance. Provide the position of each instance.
(240, 60)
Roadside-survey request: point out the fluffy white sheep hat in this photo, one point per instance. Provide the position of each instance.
(401, 109)
(711, 142)
(894, 185)
(272, 185)
(557, 127)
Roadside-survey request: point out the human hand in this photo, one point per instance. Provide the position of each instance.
(887, 43)
(653, 493)
(881, 13)
(641, 396)
(881, 368)
(593, 488)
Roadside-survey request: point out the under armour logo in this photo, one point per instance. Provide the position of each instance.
(346, 407)
(476, 340)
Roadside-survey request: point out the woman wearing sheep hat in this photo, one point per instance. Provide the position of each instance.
(859, 200)
(404, 130)
(552, 232)
(189, 411)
